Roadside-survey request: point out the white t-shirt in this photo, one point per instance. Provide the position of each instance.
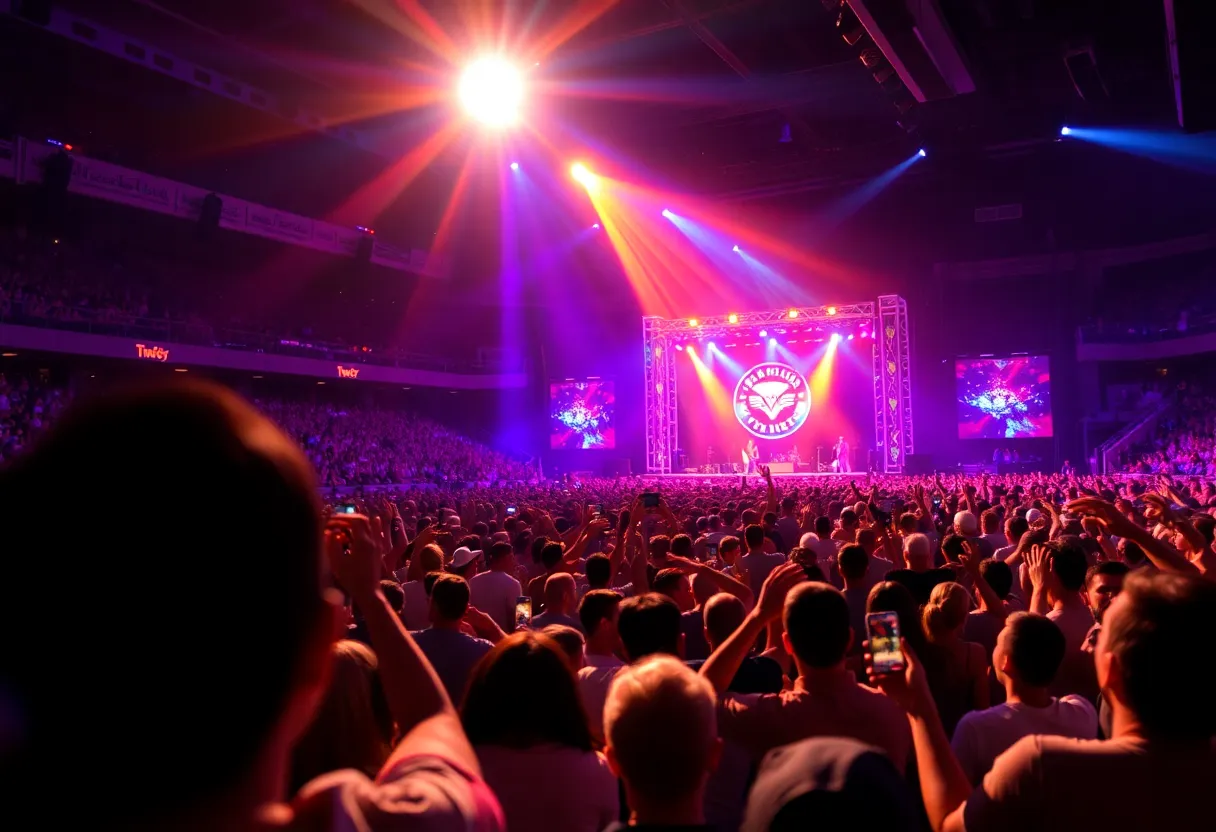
(495, 594)
(982, 736)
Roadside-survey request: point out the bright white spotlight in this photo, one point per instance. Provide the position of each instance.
(1065, 131)
(764, 333)
(921, 153)
(835, 337)
(712, 344)
(515, 166)
(492, 90)
(736, 248)
(667, 214)
(732, 318)
(679, 348)
(596, 225)
(583, 176)
(850, 338)
(772, 341)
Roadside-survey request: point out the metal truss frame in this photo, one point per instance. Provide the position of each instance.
(892, 381)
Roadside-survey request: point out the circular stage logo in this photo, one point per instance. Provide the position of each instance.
(772, 400)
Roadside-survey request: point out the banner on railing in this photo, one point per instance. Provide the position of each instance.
(24, 161)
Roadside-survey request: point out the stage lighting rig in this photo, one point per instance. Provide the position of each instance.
(492, 91)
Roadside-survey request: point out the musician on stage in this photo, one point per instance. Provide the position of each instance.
(751, 459)
(841, 452)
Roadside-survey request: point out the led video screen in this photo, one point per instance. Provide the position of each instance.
(1003, 398)
(582, 415)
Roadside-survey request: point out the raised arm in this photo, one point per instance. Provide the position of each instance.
(721, 581)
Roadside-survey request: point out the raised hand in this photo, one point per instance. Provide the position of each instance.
(1038, 565)
(353, 554)
(776, 586)
(909, 689)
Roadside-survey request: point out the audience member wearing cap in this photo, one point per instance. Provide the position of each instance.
(451, 652)
(465, 562)
(830, 783)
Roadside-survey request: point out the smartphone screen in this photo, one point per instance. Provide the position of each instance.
(882, 630)
(711, 549)
(650, 499)
(523, 612)
(347, 509)
(510, 509)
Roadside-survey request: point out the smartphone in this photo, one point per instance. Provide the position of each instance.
(711, 549)
(510, 509)
(348, 508)
(523, 612)
(598, 510)
(651, 499)
(882, 631)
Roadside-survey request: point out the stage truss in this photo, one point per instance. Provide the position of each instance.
(892, 376)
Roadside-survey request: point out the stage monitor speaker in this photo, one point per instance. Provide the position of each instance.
(918, 464)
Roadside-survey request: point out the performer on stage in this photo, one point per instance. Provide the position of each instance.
(751, 459)
(841, 452)
(795, 458)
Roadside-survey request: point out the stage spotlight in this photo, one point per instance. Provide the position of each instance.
(764, 333)
(667, 214)
(583, 176)
(515, 166)
(679, 348)
(692, 322)
(850, 338)
(491, 91)
(1065, 131)
(733, 318)
(712, 344)
(921, 153)
(596, 225)
(835, 337)
(831, 310)
(772, 341)
(793, 313)
(736, 248)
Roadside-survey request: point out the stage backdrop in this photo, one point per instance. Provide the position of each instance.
(1003, 398)
(582, 415)
(799, 394)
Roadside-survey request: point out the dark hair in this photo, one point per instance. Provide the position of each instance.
(788, 503)
(728, 543)
(393, 593)
(769, 518)
(1205, 524)
(852, 561)
(681, 545)
(182, 439)
(450, 596)
(1035, 647)
(848, 517)
(649, 624)
(1069, 563)
(890, 596)
(1153, 638)
(523, 694)
(723, 615)
(597, 605)
(823, 527)
(498, 551)
(1131, 551)
(998, 575)
(537, 547)
(660, 545)
(1106, 567)
(753, 535)
(428, 581)
(817, 620)
(551, 555)
(952, 547)
(598, 570)
(990, 521)
(667, 580)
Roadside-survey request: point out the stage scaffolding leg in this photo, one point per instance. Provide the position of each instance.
(662, 431)
(893, 384)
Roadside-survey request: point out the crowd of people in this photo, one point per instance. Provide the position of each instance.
(890, 652)
(1183, 444)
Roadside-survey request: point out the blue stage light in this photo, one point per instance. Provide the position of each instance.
(921, 153)
(1066, 131)
(736, 248)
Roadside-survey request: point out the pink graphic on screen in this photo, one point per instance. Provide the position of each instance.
(582, 415)
(1003, 398)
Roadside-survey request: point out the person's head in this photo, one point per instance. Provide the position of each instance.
(660, 546)
(729, 549)
(990, 521)
(753, 536)
(352, 727)
(946, 612)
(599, 571)
(908, 523)
(788, 504)
(1131, 552)
(715, 523)
(394, 594)
(998, 575)
(660, 724)
(817, 632)
(597, 612)
(1028, 651)
(674, 584)
(1015, 527)
(681, 545)
(723, 615)
(848, 519)
(919, 552)
(571, 641)
(965, 524)
(1069, 564)
(770, 519)
(551, 555)
(430, 558)
(1103, 582)
(559, 593)
(852, 561)
(449, 600)
(522, 694)
(823, 527)
(648, 624)
(246, 705)
(703, 587)
(867, 539)
(501, 557)
(1146, 658)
